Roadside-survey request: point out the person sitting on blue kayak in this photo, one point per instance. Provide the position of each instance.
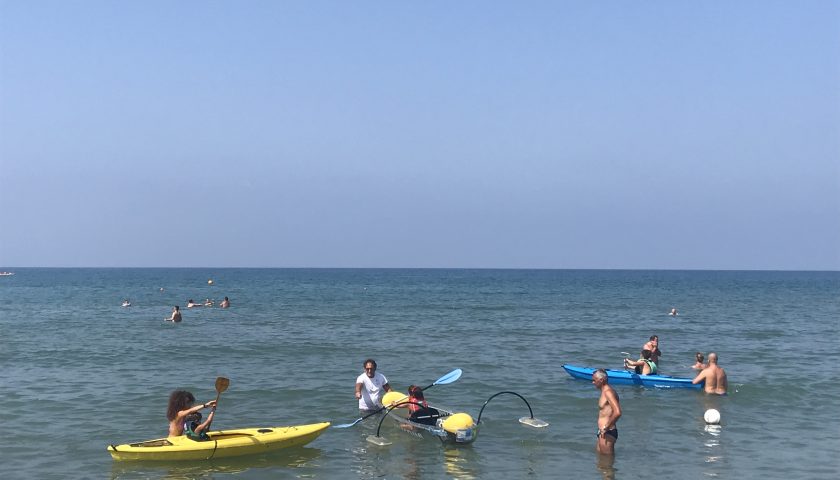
(653, 346)
(644, 365)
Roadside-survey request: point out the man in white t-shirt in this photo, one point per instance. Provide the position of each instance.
(370, 387)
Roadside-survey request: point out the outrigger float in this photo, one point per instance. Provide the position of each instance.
(455, 428)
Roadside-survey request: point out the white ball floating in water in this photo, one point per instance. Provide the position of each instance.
(712, 416)
(209, 282)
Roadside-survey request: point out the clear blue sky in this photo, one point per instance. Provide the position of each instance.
(655, 134)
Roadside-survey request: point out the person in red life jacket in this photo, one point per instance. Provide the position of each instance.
(416, 399)
(419, 410)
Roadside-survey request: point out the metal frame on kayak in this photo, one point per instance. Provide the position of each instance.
(625, 377)
(445, 425)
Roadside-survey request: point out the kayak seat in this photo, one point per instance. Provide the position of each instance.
(425, 416)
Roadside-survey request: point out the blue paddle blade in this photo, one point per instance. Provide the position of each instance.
(449, 377)
(347, 425)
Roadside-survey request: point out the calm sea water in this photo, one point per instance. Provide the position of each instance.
(80, 372)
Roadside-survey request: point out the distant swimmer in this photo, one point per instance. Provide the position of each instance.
(176, 315)
(225, 303)
(191, 304)
(714, 376)
(208, 303)
(698, 365)
(673, 312)
(126, 303)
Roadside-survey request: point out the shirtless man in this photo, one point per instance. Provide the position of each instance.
(176, 315)
(644, 365)
(653, 346)
(714, 376)
(609, 411)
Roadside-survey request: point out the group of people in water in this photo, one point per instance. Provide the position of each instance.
(371, 386)
(176, 310)
(712, 376)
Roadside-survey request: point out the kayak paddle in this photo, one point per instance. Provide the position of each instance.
(222, 384)
(444, 380)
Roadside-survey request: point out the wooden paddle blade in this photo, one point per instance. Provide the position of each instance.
(222, 384)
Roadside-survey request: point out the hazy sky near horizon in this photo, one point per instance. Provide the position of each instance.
(543, 134)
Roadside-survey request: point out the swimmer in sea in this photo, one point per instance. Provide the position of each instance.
(191, 304)
(673, 312)
(698, 365)
(714, 376)
(225, 303)
(176, 315)
(609, 411)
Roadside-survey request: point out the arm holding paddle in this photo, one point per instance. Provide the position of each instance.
(180, 405)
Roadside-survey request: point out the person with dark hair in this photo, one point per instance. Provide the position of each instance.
(644, 365)
(609, 411)
(416, 399)
(370, 387)
(713, 377)
(653, 346)
(176, 315)
(418, 408)
(180, 406)
(225, 303)
(698, 365)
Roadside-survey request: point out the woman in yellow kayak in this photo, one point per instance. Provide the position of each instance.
(180, 406)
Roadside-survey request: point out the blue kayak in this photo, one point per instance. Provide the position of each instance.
(627, 377)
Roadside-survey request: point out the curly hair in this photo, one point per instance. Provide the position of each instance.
(178, 400)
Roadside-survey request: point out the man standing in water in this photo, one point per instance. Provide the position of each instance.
(176, 315)
(609, 411)
(370, 387)
(714, 376)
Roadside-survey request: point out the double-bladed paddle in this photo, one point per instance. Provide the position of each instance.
(444, 380)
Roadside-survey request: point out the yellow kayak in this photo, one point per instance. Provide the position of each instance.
(222, 443)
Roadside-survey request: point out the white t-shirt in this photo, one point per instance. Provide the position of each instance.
(371, 390)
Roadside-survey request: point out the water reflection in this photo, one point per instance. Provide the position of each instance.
(604, 464)
(458, 461)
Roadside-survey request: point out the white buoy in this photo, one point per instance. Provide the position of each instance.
(712, 416)
(209, 282)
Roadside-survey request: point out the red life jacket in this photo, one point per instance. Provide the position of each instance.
(412, 407)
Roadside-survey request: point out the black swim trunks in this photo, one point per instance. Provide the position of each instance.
(611, 433)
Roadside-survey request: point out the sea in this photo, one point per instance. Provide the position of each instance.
(79, 372)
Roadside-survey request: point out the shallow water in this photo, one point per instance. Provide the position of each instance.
(81, 372)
